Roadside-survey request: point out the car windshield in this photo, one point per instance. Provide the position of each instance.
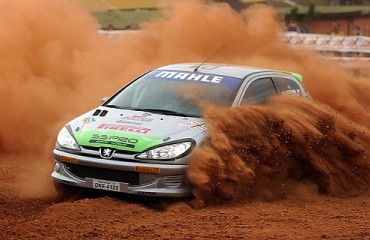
(176, 93)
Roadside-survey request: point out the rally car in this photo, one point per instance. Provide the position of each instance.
(140, 140)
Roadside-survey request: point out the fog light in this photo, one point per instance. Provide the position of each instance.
(56, 167)
(173, 181)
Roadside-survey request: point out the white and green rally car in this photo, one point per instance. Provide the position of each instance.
(139, 141)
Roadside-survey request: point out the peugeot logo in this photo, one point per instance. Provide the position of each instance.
(107, 153)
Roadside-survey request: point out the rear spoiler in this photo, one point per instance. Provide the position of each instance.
(299, 77)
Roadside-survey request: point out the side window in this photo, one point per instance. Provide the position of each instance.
(287, 86)
(259, 91)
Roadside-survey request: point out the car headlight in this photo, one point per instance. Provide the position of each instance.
(166, 152)
(66, 140)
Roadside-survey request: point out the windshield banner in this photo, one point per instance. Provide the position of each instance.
(210, 79)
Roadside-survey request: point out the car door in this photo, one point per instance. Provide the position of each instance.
(287, 86)
(258, 90)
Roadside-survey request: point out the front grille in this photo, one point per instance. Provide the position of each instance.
(81, 171)
(117, 150)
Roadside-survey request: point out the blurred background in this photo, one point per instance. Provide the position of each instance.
(347, 17)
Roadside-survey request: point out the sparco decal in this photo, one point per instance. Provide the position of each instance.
(125, 128)
(147, 193)
(114, 140)
(68, 182)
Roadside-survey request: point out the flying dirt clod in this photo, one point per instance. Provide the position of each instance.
(256, 150)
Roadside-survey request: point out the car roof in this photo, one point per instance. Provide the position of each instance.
(236, 71)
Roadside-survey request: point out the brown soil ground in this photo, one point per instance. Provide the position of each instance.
(56, 66)
(110, 216)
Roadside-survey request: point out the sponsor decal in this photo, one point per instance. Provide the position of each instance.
(68, 159)
(210, 79)
(124, 128)
(193, 124)
(292, 92)
(147, 169)
(147, 193)
(181, 118)
(189, 76)
(116, 139)
(84, 121)
(68, 182)
(107, 153)
(113, 140)
(89, 119)
(138, 118)
(147, 114)
(135, 120)
(129, 122)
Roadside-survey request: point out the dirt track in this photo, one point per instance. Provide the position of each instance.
(63, 62)
(304, 215)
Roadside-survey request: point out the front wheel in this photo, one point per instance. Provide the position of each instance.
(66, 191)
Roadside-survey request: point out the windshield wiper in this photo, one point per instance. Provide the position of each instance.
(112, 106)
(166, 112)
(159, 111)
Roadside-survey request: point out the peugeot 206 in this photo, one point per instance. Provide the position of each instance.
(140, 140)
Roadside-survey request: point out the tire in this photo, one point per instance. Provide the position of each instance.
(66, 191)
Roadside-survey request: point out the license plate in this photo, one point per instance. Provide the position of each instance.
(106, 185)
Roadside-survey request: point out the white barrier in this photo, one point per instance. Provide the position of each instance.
(324, 42)
(344, 48)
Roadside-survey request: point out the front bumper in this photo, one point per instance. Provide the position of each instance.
(163, 180)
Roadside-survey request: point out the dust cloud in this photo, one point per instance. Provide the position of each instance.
(55, 66)
(264, 151)
(49, 73)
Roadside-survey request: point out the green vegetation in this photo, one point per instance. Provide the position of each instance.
(327, 9)
(104, 5)
(134, 18)
(121, 18)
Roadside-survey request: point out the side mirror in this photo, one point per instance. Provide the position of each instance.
(104, 99)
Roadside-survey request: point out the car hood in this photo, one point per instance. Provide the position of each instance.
(133, 131)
